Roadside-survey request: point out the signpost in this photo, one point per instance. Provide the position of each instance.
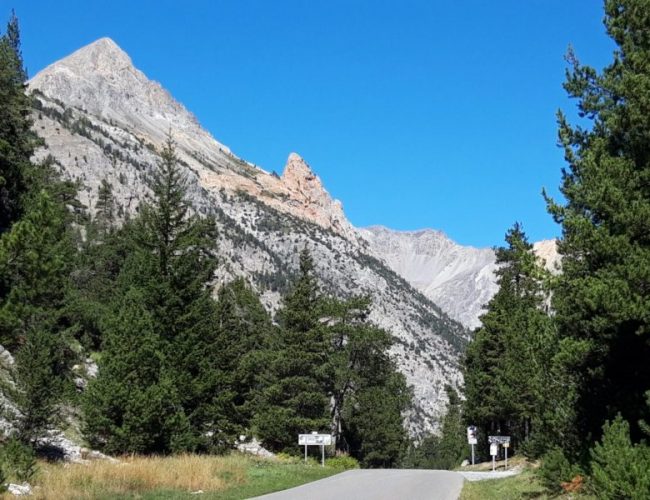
(495, 441)
(471, 439)
(315, 439)
(494, 449)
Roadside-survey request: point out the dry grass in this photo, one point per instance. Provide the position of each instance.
(136, 475)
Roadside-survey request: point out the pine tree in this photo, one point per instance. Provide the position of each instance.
(129, 407)
(35, 258)
(105, 205)
(171, 264)
(507, 367)
(602, 301)
(296, 401)
(245, 335)
(17, 140)
(364, 380)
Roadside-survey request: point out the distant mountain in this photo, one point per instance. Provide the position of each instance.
(101, 118)
(459, 279)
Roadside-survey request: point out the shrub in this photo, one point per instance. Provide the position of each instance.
(343, 462)
(620, 469)
(18, 460)
(555, 470)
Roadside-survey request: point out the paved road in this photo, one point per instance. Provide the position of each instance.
(378, 484)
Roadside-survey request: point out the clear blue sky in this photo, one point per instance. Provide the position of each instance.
(414, 113)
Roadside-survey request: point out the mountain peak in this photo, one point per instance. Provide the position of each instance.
(102, 56)
(297, 168)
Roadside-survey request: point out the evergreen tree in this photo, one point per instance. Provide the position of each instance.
(17, 140)
(447, 450)
(129, 407)
(295, 400)
(35, 258)
(105, 205)
(602, 301)
(245, 334)
(364, 380)
(507, 367)
(171, 264)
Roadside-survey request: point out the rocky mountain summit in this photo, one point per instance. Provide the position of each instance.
(459, 279)
(102, 119)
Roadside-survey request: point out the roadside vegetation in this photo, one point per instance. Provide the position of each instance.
(225, 477)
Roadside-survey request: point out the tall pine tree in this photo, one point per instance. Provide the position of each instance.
(295, 401)
(602, 302)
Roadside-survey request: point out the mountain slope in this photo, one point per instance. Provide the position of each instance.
(101, 118)
(459, 279)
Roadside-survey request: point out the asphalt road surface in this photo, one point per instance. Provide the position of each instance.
(378, 484)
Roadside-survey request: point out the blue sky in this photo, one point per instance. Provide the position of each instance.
(414, 113)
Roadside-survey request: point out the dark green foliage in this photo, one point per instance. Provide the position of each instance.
(128, 408)
(295, 401)
(35, 258)
(620, 469)
(602, 300)
(17, 141)
(244, 344)
(368, 396)
(17, 461)
(512, 384)
(329, 371)
(556, 469)
(105, 205)
(181, 402)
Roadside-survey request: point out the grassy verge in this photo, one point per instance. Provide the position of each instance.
(523, 485)
(230, 477)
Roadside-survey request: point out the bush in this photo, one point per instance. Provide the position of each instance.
(343, 462)
(620, 469)
(18, 461)
(555, 470)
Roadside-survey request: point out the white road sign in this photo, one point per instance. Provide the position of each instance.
(471, 435)
(314, 439)
(494, 449)
(499, 439)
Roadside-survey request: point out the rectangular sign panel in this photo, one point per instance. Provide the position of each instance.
(314, 439)
(471, 435)
(498, 439)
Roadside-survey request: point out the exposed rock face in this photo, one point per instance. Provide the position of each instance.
(457, 278)
(102, 119)
(548, 254)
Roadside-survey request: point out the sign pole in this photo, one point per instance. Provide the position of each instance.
(472, 453)
(305, 453)
(322, 451)
(506, 457)
(492, 463)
